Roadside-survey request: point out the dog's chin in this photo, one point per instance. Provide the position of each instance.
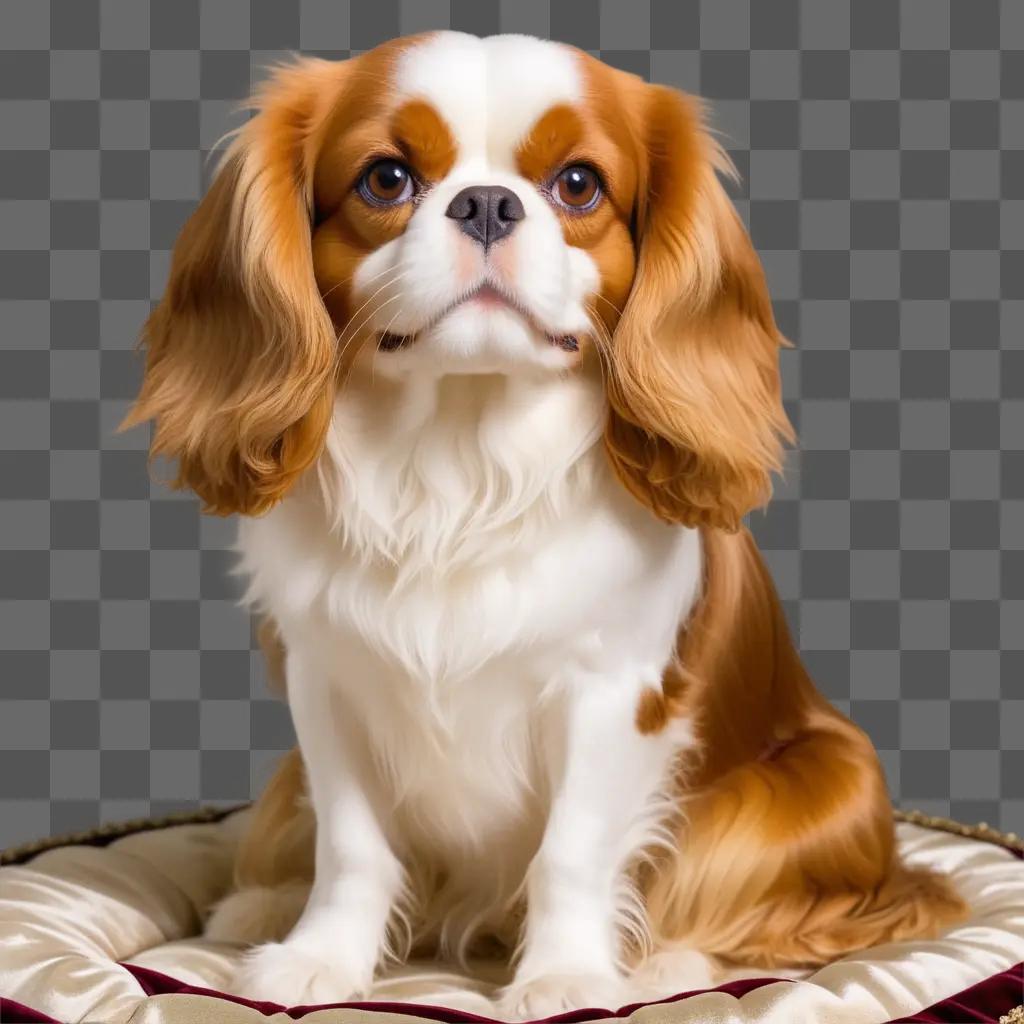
(476, 337)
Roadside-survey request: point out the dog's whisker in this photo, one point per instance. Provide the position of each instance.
(376, 351)
(366, 320)
(384, 287)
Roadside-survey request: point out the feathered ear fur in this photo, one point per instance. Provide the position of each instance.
(240, 352)
(696, 415)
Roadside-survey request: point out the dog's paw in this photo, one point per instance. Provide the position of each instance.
(671, 971)
(293, 975)
(548, 994)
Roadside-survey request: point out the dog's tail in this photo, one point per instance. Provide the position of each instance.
(786, 854)
(769, 872)
(250, 917)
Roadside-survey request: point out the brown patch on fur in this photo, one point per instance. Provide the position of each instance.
(787, 855)
(546, 147)
(272, 646)
(425, 139)
(651, 712)
(656, 708)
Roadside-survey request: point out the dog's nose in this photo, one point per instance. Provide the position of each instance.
(486, 212)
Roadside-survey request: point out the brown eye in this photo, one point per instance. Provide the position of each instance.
(577, 187)
(387, 183)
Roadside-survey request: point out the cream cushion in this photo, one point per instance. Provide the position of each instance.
(70, 917)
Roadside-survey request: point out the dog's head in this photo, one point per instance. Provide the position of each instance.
(450, 205)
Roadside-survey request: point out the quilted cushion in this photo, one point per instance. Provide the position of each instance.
(107, 927)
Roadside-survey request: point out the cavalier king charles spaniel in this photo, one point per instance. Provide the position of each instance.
(469, 333)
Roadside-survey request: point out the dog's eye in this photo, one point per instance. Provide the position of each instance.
(387, 183)
(577, 188)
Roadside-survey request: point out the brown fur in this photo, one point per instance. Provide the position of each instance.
(242, 360)
(652, 711)
(424, 139)
(240, 351)
(786, 850)
(697, 421)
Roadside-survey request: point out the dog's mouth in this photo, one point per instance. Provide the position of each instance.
(486, 296)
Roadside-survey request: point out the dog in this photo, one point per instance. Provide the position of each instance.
(471, 336)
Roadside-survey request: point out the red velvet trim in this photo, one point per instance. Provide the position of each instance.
(154, 983)
(15, 1013)
(983, 1003)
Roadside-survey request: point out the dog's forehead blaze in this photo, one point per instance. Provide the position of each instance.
(489, 92)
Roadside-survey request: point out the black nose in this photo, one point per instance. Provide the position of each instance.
(486, 212)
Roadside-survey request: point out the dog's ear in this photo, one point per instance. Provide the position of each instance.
(696, 419)
(240, 351)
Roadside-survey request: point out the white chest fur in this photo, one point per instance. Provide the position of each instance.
(460, 564)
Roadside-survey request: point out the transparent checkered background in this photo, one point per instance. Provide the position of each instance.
(882, 149)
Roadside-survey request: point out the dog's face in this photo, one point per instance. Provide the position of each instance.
(450, 205)
(478, 206)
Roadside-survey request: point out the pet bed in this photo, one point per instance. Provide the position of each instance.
(105, 926)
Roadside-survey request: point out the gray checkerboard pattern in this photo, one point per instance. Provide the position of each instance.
(881, 144)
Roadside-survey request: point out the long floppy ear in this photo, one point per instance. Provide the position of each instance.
(696, 418)
(240, 351)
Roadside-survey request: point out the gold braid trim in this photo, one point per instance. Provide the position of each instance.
(982, 831)
(1015, 1016)
(115, 830)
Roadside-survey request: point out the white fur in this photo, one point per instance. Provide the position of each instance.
(472, 605)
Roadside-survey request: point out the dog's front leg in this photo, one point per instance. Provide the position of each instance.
(332, 952)
(605, 775)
